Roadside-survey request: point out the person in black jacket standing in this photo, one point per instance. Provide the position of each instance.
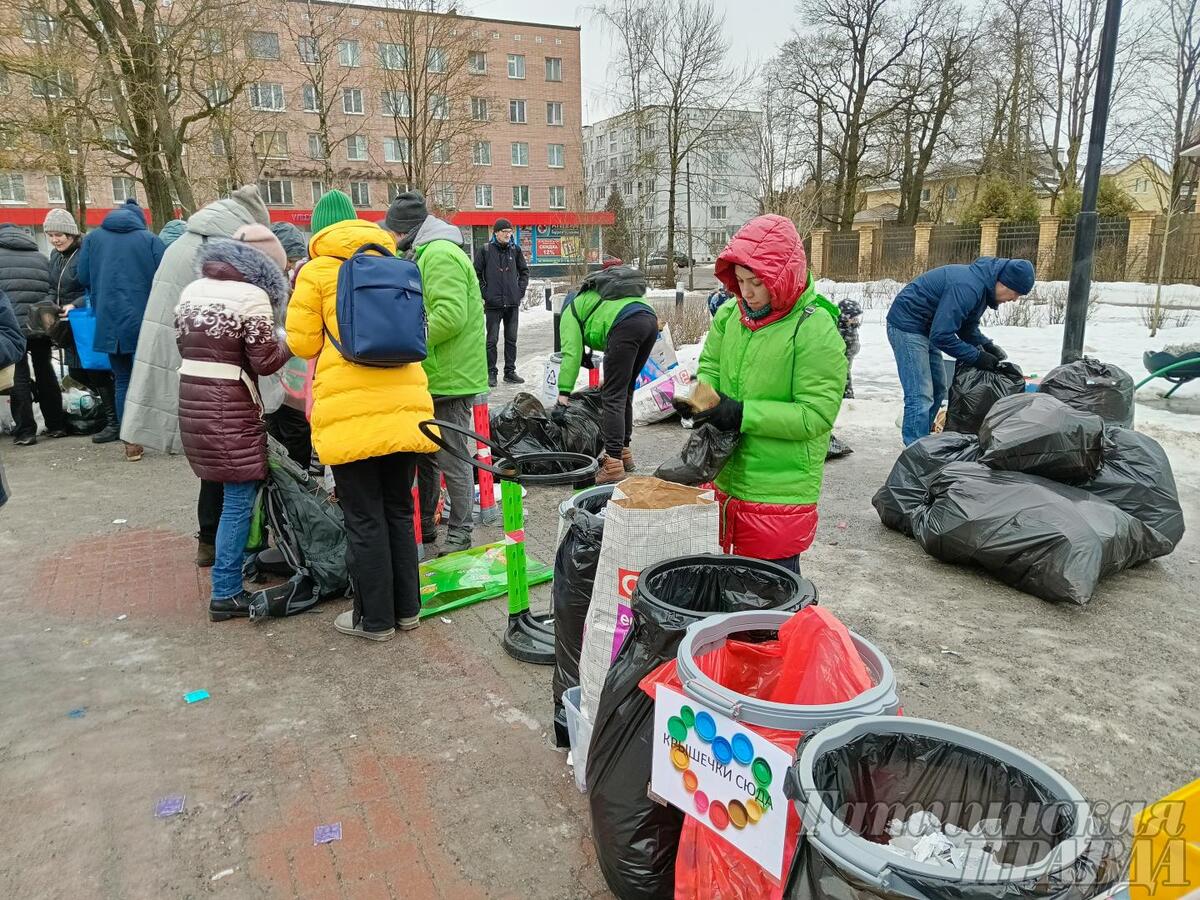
(25, 277)
(503, 277)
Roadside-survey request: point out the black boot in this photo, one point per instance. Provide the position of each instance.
(108, 402)
(228, 608)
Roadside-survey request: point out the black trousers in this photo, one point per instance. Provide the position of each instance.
(49, 392)
(290, 427)
(208, 510)
(381, 551)
(507, 315)
(629, 344)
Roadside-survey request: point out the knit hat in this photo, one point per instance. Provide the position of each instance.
(501, 225)
(407, 212)
(60, 221)
(333, 207)
(1017, 275)
(172, 231)
(292, 238)
(250, 198)
(260, 238)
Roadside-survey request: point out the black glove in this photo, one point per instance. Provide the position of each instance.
(726, 415)
(995, 350)
(986, 361)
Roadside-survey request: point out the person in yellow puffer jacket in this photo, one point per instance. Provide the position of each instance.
(364, 424)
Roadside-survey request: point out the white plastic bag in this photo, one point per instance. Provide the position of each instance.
(652, 402)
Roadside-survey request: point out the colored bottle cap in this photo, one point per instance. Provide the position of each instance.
(690, 781)
(722, 751)
(701, 799)
(762, 771)
(679, 758)
(743, 749)
(738, 816)
(718, 815)
(706, 728)
(688, 715)
(677, 729)
(754, 810)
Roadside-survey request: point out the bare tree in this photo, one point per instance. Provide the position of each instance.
(1006, 91)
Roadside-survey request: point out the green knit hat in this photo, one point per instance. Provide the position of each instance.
(333, 207)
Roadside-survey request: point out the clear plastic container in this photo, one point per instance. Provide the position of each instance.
(579, 731)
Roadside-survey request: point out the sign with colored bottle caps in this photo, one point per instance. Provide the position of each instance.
(722, 774)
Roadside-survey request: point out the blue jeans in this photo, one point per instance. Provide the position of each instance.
(922, 378)
(122, 370)
(232, 533)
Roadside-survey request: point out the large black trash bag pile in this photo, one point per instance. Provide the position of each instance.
(1040, 435)
(904, 491)
(1089, 385)
(1047, 539)
(974, 391)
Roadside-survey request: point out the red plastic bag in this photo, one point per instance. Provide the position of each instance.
(813, 662)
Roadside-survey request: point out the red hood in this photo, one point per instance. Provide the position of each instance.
(770, 247)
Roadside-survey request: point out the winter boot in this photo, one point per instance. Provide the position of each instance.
(513, 378)
(206, 554)
(611, 470)
(111, 430)
(456, 539)
(229, 607)
(346, 625)
(627, 459)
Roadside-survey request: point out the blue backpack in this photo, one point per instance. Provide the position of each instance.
(380, 309)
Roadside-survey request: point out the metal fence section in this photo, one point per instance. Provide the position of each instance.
(1018, 240)
(842, 259)
(893, 250)
(1112, 243)
(949, 244)
(1182, 263)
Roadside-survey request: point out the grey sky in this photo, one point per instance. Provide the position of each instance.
(754, 29)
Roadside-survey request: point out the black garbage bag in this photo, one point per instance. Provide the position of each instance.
(590, 401)
(904, 491)
(838, 449)
(705, 451)
(1040, 435)
(974, 391)
(523, 426)
(874, 778)
(571, 592)
(1047, 539)
(1137, 478)
(1091, 386)
(84, 412)
(578, 430)
(306, 524)
(636, 839)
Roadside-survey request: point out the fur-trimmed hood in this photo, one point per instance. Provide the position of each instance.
(222, 259)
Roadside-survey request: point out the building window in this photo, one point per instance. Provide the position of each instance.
(925, 194)
(37, 26)
(360, 193)
(318, 190)
(309, 99)
(439, 153)
(266, 96)
(393, 56)
(554, 113)
(219, 147)
(271, 145)
(395, 189)
(558, 197)
(352, 101)
(217, 93)
(612, 142)
(520, 196)
(54, 189)
(395, 150)
(479, 109)
(349, 54)
(308, 50)
(1141, 186)
(553, 68)
(394, 104)
(276, 191)
(481, 153)
(12, 188)
(718, 212)
(516, 111)
(52, 87)
(262, 45)
(356, 148)
(214, 39)
(951, 192)
(444, 196)
(516, 65)
(117, 137)
(554, 156)
(477, 62)
(628, 188)
(124, 188)
(439, 106)
(316, 147)
(435, 60)
(483, 196)
(649, 214)
(520, 153)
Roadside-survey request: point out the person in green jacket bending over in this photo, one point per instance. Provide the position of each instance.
(779, 365)
(456, 360)
(625, 328)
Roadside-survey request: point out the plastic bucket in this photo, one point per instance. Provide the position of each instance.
(854, 776)
(83, 327)
(580, 731)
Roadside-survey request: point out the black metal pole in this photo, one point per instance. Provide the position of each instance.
(1080, 285)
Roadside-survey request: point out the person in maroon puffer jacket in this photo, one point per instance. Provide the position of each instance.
(226, 332)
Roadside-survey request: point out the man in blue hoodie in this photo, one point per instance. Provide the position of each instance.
(117, 263)
(939, 312)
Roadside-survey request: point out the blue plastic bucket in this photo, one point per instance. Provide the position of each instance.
(83, 327)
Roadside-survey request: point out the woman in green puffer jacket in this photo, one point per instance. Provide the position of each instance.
(779, 365)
